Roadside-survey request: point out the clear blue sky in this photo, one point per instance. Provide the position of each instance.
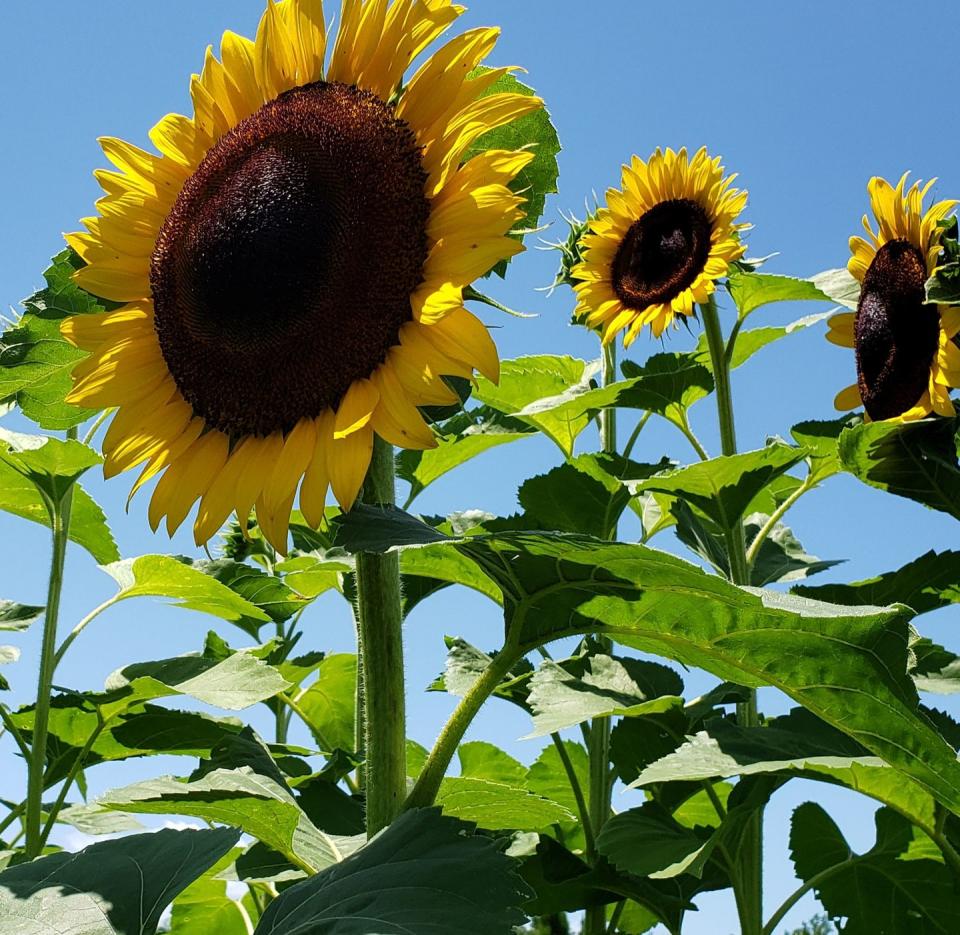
(805, 101)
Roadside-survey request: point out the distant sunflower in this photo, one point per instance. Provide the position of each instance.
(659, 245)
(292, 264)
(906, 357)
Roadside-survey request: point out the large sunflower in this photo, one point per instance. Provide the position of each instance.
(659, 244)
(906, 357)
(292, 263)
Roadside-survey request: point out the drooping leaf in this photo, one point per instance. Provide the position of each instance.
(722, 488)
(35, 359)
(927, 583)
(369, 528)
(916, 460)
(781, 556)
(18, 616)
(259, 804)
(189, 587)
(461, 438)
(884, 890)
(118, 887)
(88, 525)
(425, 873)
(532, 131)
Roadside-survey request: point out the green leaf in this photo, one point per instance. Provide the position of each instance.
(927, 583)
(424, 873)
(937, 669)
(884, 890)
(591, 686)
(498, 806)
(840, 286)
(176, 579)
(750, 342)
(782, 557)
(261, 805)
(847, 665)
(542, 392)
(118, 887)
(369, 528)
(205, 907)
(88, 525)
(916, 460)
(18, 616)
(750, 291)
(648, 842)
(330, 701)
(577, 496)
(91, 819)
(667, 384)
(821, 439)
(481, 760)
(723, 488)
(460, 439)
(530, 131)
(465, 664)
(548, 777)
(35, 359)
(52, 465)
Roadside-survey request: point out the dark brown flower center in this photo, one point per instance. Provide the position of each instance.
(895, 332)
(284, 271)
(662, 253)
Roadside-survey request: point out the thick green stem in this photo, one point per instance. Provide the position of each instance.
(60, 525)
(750, 872)
(601, 787)
(381, 638)
(428, 783)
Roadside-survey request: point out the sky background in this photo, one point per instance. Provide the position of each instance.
(804, 101)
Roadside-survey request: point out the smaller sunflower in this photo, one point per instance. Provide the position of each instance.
(907, 360)
(659, 245)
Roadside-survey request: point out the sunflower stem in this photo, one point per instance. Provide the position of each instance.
(381, 641)
(598, 747)
(59, 511)
(749, 893)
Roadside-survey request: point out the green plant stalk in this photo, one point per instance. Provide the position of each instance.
(425, 790)
(381, 640)
(582, 810)
(60, 526)
(800, 892)
(598, 746)
(775, 518)
(750, 873)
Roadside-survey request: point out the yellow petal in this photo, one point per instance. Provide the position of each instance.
(347, 462)
(356, 408)
(396, 419)
(313, 491)
(463, 337)
(848, 398)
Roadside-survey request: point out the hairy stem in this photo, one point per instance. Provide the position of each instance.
(428, 783)
(60, 525)
(381, 641)
(749, 893)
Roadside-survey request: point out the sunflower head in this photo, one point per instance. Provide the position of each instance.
(291, 265)
(906, 356)
(659, 244)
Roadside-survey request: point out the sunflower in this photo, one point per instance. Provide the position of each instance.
(906, 356)
(659, 245)
(291, 264)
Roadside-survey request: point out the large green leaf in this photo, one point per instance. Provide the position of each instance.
(498, 805)
(482, 760)
(118, 887)
(329, 702)
(562, 694)
(542, 392)
(425, 873)
(917, 460)
(35, 360)
(887, 889)
(927, 583)
(937, 669)
(750, 291)
(261, 805)
(532, 131)
(177, 579)
(461, 438)
(723, 488)
(88, 525)
(204, 907)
